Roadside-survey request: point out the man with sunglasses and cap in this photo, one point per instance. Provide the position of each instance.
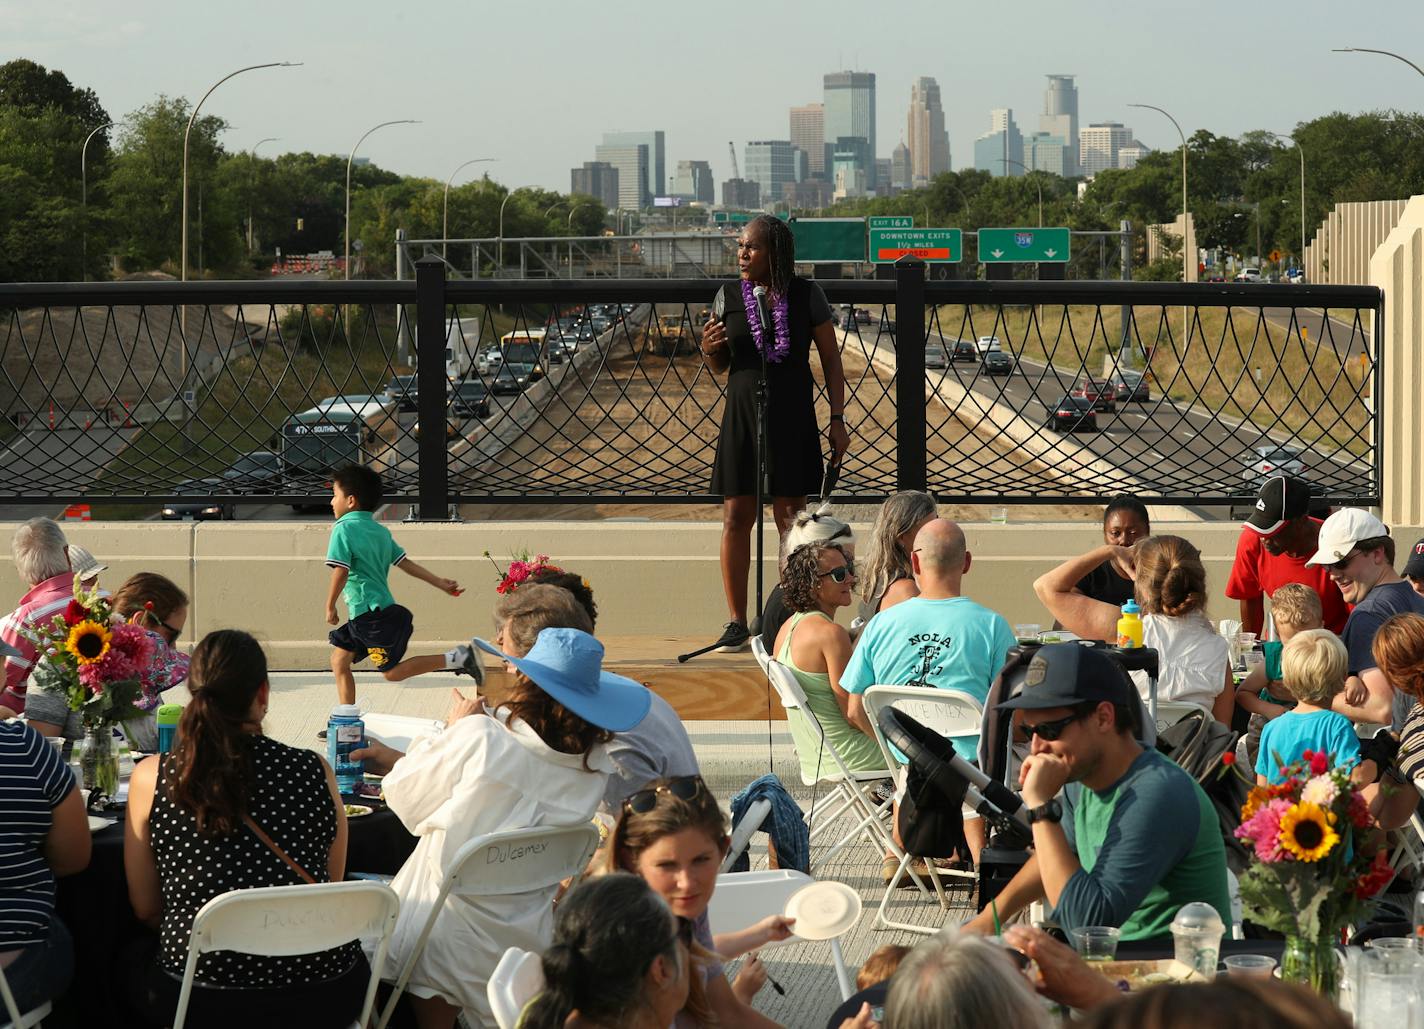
(1358, 553)
(1272, 550)
(1133, 837)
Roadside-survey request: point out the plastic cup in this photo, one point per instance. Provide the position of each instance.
(1027, 632)
(1095, 942)
(999, 515)
(1253, 966)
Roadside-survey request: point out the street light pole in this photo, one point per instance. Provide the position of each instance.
(252, 162)
(572, 209)
(349, 159)
(183, 260)
(1367, 50)
(445, 216)
(84, 199)
(1186, 275)
(1037, 184)
(1300, 150)
(499, 250)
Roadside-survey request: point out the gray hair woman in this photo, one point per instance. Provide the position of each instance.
(959, 981)
(885, 576)
(41, 559)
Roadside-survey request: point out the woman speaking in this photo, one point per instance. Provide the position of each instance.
(796, 314)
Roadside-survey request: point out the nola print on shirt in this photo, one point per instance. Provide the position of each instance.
(931, 647)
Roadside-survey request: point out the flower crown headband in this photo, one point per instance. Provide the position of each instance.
(521, 569)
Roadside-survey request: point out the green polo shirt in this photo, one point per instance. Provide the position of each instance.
(366, 549)
(1148, 844)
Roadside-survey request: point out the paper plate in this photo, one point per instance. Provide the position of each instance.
(97, 824)
(823, 910)
(357, 810)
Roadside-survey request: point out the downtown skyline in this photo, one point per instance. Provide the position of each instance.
(541, 93)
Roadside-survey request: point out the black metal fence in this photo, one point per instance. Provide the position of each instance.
(216, 394)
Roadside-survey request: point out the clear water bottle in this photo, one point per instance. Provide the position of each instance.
(345, 732)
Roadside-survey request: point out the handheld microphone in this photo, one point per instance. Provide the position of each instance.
(760, 293)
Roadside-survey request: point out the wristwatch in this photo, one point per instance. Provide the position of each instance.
(1050, 812)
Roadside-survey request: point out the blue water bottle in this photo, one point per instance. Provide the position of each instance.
(345, 732)
(168, 716)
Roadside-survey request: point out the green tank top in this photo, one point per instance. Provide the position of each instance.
(859, 752)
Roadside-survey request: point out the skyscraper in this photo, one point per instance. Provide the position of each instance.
(655, 180)
(808, 131)
(1000, 150)
(1099, 144)
(694, 181)
(1060, 117)
(850, 112)
(901, 166)
(771, 164)
(928, 140)
(632, 165)
(1044, 152)
(597, 179)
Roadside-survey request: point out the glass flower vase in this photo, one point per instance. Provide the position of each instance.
(99, 763)
(1313, 963)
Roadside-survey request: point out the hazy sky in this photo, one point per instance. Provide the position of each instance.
(537, 83)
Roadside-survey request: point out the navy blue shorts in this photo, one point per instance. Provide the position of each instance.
(382, 635)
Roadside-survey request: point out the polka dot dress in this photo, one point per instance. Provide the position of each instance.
(293, 806)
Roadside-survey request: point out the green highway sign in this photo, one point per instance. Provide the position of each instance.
(937, 246)
(1000, 246)
(731, 217)
(892, 221)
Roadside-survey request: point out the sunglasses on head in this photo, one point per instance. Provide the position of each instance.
(1050, 731)
(842, 573)
(684, 787)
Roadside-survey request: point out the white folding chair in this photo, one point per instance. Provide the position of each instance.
(954, 715)
(1170, 712)
(20, 1019)
(515, 981)
(280, 921)
(742, 832)
(849, 790)
(498, 864)
(759, 652)
(744, 898)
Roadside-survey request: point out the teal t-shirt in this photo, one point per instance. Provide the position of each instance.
(1271, 650)
(1148, 844)
(950, 644)
(367, 550)
(1289, 736)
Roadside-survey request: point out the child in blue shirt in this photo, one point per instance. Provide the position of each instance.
(361, 554)
(1313, 668)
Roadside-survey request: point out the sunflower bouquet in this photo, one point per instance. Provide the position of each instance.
(1315, 870)
(97, 665)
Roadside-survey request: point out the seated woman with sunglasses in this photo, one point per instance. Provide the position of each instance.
(532, 752)
(818, 581)
(673, 834)
(159, 606)
(619, 960)
(1169, 581)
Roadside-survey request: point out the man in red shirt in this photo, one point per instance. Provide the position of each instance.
(1272, 550)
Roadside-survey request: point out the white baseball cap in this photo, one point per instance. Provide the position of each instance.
(1341, 531)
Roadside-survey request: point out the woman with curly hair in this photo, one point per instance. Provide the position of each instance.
(818, 581)
(797, 316)
(1169, 582)
(886, 577)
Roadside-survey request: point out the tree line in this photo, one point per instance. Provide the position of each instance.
(67, 214)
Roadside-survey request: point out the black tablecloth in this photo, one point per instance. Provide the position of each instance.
(95, 906)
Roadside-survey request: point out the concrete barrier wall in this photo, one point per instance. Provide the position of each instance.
(654, 580)
(1343, 245)
(1397, 267)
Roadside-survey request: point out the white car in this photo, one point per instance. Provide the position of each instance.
(1249, 275)
(984, 344)
(489, 361)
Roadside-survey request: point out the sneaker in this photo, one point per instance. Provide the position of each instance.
(734, 639)
(321, 735)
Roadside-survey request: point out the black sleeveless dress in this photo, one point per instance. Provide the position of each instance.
(793, 437)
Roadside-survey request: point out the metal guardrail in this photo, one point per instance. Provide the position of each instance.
(106, 397)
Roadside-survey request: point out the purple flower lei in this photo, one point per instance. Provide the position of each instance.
(782, 347)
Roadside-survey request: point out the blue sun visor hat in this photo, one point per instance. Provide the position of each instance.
(567, 664)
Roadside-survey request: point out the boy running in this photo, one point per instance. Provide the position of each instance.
(361, 554)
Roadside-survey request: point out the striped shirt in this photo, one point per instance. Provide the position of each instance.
(43, 602)
(33, 782)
